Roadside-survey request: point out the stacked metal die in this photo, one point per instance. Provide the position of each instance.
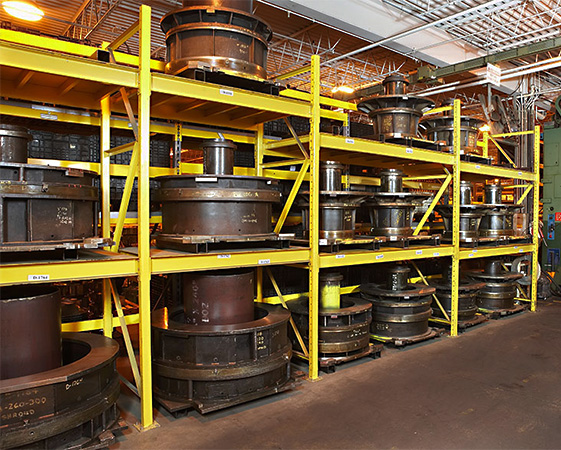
(470, 215)
(216, 206)
(391, 209)
(441, 129)
(216, 35)
(399, 309)
(43, 207)
(337, 207)
(62, 387)
(395, 114)
(467, 296)
(500, 286)
(344, 322)
(498, 221)
(220, 349)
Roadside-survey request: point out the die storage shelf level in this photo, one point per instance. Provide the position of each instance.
(43, 70)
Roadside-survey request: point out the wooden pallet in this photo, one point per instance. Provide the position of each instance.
(462, 324)
(498, 313)
(432, 240)
(402, 342)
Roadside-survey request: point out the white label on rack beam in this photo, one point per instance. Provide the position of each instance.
(339, 256)
(263, 262)
(323, 242)
(224, 256)
(393, 238)
(477, 166)
(409, 150)
(418, 252)
(379, 256)
(436, 254)
(519, 173)
(206, 179)
(349, 141)
(38, 277)
(520, 250)
(515, 247)
(227, 92)
(49, 116)
(470, 255)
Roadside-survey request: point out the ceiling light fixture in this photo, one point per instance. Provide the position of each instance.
(344, 89)
(23, 9)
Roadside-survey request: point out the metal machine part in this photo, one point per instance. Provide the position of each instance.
(391, 210)
(399, 309)
(218, 156)
(215, 207)
(46, 208)
(221, 348)
(30, 330)
(500, 286)
(470, 215)
(66, 407)
(221, 297)
(344, 322)
(441, 129)
(395, 114)
(499, 219)
(467, 296)
(216, 35)
(337, 208)
(13, 143)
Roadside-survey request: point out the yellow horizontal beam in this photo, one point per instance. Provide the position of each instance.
(134, 220)
(333, 115)
(165, 84)
(389, 254)
(116, 170)
(274, 300)
(514, 133)
(97, 324)
(378, 148)
(106, 266)
(294, 73)
(484, 252)
(73, 48)
(155, 127)
(496, 171)
(326, 101)
(173, 262)
(439, 110)
(289, 142)
(70, 66)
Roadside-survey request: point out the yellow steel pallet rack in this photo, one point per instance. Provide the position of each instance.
(44, 70)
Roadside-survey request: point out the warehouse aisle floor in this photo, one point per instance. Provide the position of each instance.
(496, 386)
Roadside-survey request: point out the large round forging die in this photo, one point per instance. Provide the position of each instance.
(500, 286)
(13, 143)
(441, 129)
(211, 367)
(391, 210)
(343, 332)
(66, 407)
(395, 114)
(467, 296)
(470, 215)
(216, 35)
(498, 221)
(399, 309)
(337, 207)
(30, 330)
(44, 208)
(215, 206)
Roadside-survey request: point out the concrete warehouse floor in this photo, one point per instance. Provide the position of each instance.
(496, 386)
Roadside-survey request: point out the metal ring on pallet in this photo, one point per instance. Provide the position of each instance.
(72, 404)
(210, 367)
